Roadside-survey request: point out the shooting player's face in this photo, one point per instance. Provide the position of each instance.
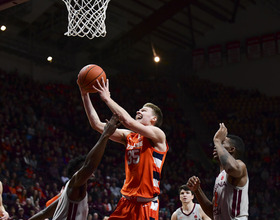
(145, 116)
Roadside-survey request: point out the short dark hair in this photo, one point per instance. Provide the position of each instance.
(157, 112)
(184, 187)
(239, 145)
(74, 165)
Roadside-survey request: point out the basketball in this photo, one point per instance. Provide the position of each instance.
(89, 75)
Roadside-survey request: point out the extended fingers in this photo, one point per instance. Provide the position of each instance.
(99, 83)
(93, 86)
(98, 90)
(107, 83)
(102, 81)
(104, 85)
(223, 127)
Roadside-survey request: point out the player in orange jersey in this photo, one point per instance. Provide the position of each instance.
(145, 153)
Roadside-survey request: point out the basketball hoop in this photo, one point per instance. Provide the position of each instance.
(86, 18)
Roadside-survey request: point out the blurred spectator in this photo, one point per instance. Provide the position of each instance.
(115, 190)
(21, 215)
(64, 177)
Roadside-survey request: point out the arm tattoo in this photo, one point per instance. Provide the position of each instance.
(224, 157)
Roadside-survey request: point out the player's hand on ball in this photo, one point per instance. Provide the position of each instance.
(83, 91)
(193, 183)
(103, 89)
(89, 75)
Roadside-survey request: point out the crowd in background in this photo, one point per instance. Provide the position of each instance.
(44, 125)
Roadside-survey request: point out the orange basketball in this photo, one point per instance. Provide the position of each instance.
(89, 75)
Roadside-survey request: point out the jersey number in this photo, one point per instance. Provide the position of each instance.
(133, 156)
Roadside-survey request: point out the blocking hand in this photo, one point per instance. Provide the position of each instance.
(193, 183)
(111, 125)
(221, 134)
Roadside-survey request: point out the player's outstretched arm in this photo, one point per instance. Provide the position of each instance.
(194, 185)
(152, 132)
(94, 157)
(94, 120)
(45, 213)
(233, 167)
(4, 215)
(91, 113)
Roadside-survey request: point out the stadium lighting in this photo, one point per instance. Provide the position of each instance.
(49, 59)
(3, 28)
(156, 59)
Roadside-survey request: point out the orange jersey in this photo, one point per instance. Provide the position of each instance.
(143, 165)
(132, 210)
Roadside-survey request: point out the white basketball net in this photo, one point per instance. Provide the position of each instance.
(86, 18)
